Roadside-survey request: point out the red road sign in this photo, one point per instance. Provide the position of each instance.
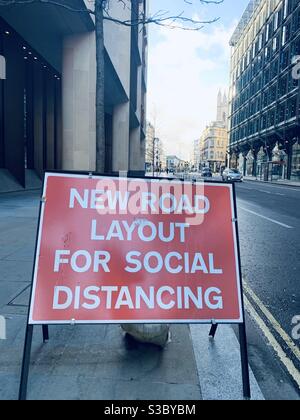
(118, 250)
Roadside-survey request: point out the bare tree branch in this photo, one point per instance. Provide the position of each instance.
(100, 11)
(161, 18)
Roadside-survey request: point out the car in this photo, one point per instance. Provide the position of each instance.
(232, 175)
(206, 173)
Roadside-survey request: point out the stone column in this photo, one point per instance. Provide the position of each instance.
(289, 151)
(254, 170)
(79, 98)
(245, 165)
(136, 164)
(120, 158)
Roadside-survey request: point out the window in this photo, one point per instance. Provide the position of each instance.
(267, 53)
(2, 68)
(260, 42)
(273, 91)
(264, 121)
(283, 85)
(286, 8)
(284, 59)
(284, 37)
(274, 69)
(275, 44)
(291, 108)
(293, 83)
(281, 113)
(271, 118)
(267, 32)
(276, 21)
(296, 47)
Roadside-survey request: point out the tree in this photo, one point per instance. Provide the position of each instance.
(101, 13)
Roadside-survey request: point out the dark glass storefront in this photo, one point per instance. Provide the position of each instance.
(270, 165)
(30, 109)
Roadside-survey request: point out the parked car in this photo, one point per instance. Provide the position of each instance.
(232, 175)
(206, 173)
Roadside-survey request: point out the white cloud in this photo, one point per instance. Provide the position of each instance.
(181, 93)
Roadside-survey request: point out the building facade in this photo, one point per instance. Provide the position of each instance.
(214, 139)
(175, 164)
(214, 142)
(196, 155)
(48, 90)
(155, 154)
(264, 94)
(150, 146)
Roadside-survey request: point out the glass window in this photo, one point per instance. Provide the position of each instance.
(286, 7)
(2, 68)
(284, 36)
(276, 21)
(267, 32)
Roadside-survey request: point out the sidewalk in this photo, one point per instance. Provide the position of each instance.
(100, 362)
(281, 182)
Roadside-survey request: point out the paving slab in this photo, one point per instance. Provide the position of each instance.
(219, 365)
(99, 362)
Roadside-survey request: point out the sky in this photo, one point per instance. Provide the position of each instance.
(187, 69)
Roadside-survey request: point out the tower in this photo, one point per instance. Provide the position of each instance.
(222, 108)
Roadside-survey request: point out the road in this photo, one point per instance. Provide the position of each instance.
(269, 226)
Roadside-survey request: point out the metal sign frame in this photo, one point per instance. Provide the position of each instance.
(214, 326)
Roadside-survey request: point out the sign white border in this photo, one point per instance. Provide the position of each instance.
(161, 321)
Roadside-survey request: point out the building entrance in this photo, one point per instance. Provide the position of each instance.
(29, 108)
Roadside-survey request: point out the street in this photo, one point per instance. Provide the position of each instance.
(99, 361)
(269, 239)
(269, 223)
(149, 201)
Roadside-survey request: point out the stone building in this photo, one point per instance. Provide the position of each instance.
(214, 139)
(48, 90)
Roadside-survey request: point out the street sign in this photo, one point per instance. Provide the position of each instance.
(119, 250)
(136, 250)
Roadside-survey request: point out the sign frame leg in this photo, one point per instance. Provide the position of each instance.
(45, 333)
(242, 326)
(26, 363)
(213, 330)
(244, 361)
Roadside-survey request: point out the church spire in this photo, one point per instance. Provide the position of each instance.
(222, 107)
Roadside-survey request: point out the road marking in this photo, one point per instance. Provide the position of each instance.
(291, 368)
(285, 188)
(268, 192)
(265, 191)
(266, 218)
(275, 324)
(247, 188)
